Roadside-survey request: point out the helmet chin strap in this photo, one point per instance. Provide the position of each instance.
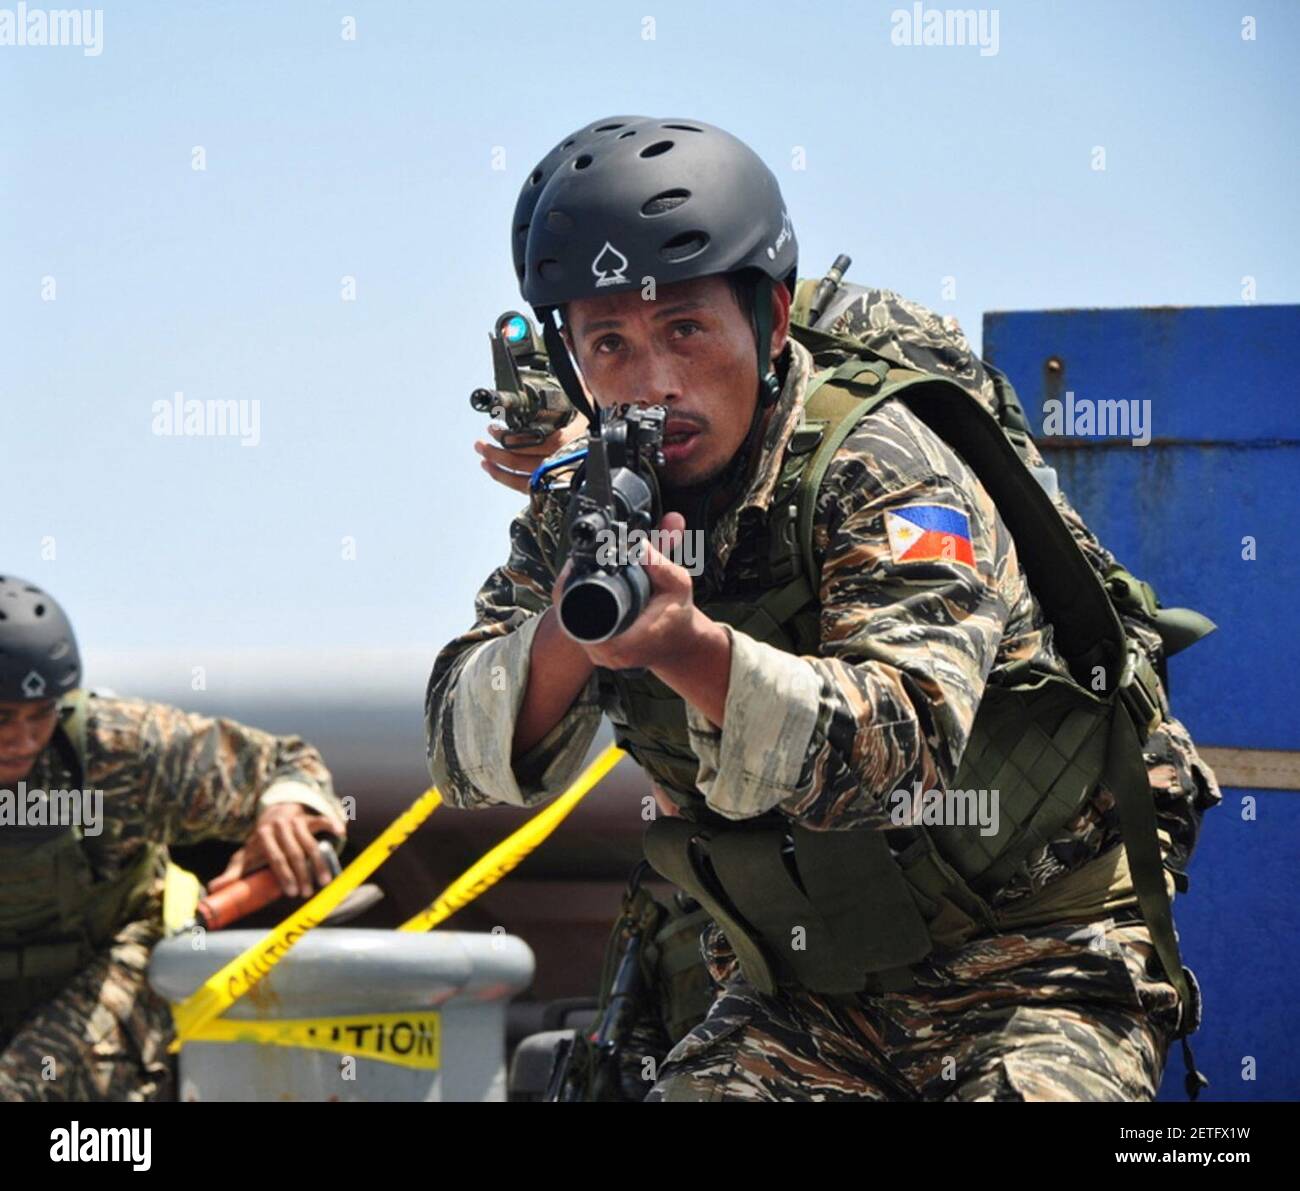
(562, 366)
(769, 386)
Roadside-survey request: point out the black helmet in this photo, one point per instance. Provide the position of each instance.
(631, 197)
(532, 189)
(38, 653)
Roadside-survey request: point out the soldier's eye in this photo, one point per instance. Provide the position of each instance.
(607, 343)
(687, 327)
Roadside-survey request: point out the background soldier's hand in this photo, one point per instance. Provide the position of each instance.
(512, 468)
(283, 839)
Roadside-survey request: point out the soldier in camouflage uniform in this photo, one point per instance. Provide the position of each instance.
(1065, 999)
(81, 893)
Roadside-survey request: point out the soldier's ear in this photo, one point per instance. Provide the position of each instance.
(780, 318)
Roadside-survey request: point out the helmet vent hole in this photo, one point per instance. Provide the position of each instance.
(550, 270)
(558, 221)
(668, 200)
(683, 127)
(606, 127)
(684, 247)
(39, 609)
(536, 176)
(582, 162)
(656, 150)
(622, 136)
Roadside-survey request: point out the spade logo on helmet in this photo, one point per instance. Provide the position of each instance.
(608, 266)
(33, 685)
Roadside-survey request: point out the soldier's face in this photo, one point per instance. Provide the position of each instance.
(25, 731)
(691, 350)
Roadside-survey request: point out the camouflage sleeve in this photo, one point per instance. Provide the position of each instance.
(198, 777)
(478, 684)
(910, 628)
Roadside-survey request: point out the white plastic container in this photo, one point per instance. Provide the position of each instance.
(407, 1016)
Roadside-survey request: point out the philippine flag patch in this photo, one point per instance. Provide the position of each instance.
(929, 533)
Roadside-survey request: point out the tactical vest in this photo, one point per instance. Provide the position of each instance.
(54, 913)
(868, 905)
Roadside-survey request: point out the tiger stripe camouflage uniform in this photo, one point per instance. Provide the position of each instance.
(1058, 1012)
(914, 336)
(168, 777)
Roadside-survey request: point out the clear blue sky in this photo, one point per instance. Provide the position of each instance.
(374, 159)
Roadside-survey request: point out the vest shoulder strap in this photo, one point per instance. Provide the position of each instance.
(73, 726)
(1088, 632)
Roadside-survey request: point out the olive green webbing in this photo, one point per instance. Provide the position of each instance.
(74, 728)
(1126, 777)
(827, 937)
(1088, 631)
(671, 850)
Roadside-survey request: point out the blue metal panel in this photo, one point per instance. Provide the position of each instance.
(1222, 467)
(1212, 373)
(1238, 924)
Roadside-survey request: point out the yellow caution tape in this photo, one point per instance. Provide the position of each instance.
(487, 871)
(196, 1017)
(404, 1039)
(223, 989)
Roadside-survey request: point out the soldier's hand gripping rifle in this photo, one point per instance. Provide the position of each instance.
(614, 504)
(527, 397)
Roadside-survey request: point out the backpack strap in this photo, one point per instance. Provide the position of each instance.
(834, 409)
(73, 726)
(1088, 630)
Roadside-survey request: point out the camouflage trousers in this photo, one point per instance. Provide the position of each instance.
(103, 1037)
(1061, 1013)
